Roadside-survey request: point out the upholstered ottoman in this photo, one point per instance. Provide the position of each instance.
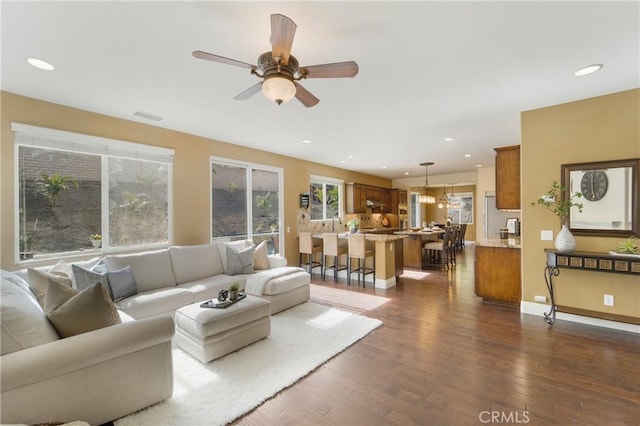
(208, 333)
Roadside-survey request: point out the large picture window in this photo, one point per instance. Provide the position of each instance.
(246, 202)
(463, 211)
(73, 188)
(325, 200)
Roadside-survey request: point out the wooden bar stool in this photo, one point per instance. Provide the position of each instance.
(309, 247)
(331, 247)
(358, 250)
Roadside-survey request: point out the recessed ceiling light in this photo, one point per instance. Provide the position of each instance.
(40, 64)
(448, 139)
(350, 156)
(478, 165)
(307, 141)
(588, 70)
(467, 155)
(407, 173)
(343, 161)
(384, 167)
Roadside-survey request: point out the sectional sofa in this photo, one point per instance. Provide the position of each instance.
(109, 372)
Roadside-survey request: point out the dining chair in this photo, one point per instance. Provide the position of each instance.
(459, 241)
(331, 247)
(309, 247)
(357, 248)
(440, 253)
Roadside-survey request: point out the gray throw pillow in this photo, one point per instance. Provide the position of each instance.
(72, 314)
(85, 278)
(239, 261)
(122, 283)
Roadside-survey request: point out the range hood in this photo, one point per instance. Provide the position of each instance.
(374, 204)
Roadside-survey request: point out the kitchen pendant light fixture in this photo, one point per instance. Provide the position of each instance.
(454, 202)
(426, 197)
(444, 198)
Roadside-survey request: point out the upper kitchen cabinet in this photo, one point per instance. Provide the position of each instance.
(356, 198)
(508, 177)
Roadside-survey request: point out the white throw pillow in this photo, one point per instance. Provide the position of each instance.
(261, 257)
(222, 250)
(24, 324)
(239, 261)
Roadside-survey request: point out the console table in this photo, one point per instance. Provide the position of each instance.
(585, 261)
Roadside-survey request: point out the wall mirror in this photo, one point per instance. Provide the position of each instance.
(610, 197)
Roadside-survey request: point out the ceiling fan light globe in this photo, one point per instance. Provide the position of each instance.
(278, 89)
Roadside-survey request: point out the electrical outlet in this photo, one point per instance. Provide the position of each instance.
(608, 300)
(546, 235)
(288, 229)
(542, 299)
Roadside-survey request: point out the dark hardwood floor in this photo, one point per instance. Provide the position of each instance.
(443, 357)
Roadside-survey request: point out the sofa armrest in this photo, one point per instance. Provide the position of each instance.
(97, 376)
(276, 261)
(64, 356)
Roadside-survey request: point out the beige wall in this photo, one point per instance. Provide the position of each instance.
(191, 168)
(597, 129)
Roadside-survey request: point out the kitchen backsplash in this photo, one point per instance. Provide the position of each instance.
(305, 224)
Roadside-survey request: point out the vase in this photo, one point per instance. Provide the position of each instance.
(353, 229)
(565, 242)
(96, 243)
(233, 295)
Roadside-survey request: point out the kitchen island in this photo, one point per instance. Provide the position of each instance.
(388, 257)
(413, 243)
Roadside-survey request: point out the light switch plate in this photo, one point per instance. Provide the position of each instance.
(542, 299)
(608, 300)
(546, 235)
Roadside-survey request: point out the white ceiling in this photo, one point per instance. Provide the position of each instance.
(428, 71)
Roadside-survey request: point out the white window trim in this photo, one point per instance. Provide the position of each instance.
(332, 181)
(94, 145)
(250, 166)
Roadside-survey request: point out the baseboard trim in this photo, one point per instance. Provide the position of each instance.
(539, 309)
(388, 283)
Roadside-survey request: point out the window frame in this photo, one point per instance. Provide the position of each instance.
(104, 148)
(324, 180)
(249, 167)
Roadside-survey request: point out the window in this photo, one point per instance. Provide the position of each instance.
(71, 187)
(415, 218)
(325, 199)
(464, 213)
(246, 202)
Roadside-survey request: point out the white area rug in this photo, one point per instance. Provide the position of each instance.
(302, 338)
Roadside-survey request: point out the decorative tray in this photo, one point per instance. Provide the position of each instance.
(214, 303)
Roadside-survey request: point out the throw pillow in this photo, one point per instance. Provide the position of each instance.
(260, 256)
(39, 282)
(85, 278)
(122, 283)
(239, 261)
(222, 245)
(87, 310)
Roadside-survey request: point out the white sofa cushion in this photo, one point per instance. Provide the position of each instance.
(23, 322)
(155, 302)
(261, 256)
(151, 270)
(191, 263)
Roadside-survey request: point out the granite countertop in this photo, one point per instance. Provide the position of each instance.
(511, 242)
(428, 233)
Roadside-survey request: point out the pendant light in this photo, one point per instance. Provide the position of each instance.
(426, 197)
(444, 198)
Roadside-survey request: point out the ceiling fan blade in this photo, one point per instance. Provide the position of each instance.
(217, 58)
(305, 97)
(282, 31)
(249, 92)
(336, 70)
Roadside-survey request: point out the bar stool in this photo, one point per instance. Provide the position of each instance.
(440, 253)
(309, 247)
(358, 250)
(331, 247)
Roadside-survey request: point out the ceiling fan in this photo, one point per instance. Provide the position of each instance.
(280, 71)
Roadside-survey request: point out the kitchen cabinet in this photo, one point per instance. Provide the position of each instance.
(356, 198)
(508, 177)
(497, 274)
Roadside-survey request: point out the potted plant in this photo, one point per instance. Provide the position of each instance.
(96, 240)
(627, 248)
(352, 224)
(560, 203)
(233, 290)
